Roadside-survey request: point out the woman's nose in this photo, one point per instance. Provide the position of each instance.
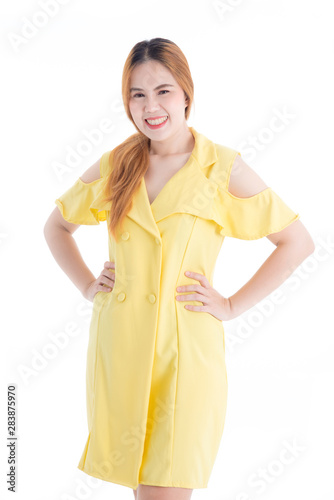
(151, 105)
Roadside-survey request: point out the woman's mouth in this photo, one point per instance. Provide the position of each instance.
(157, 123)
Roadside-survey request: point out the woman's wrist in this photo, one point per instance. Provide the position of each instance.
(236, 307)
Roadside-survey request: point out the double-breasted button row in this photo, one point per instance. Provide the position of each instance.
(121, 296)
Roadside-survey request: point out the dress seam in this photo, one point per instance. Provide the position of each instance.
(178, 347)
(95, 364)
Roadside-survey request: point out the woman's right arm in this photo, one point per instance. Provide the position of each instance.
(59, 236)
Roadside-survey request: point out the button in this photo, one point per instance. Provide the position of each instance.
(157, 241)
(152, 298)
(125, 235)
(121, 296)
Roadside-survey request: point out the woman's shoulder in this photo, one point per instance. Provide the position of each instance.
(92, 173)
(98, 170)
(244, 181)
(240, 179)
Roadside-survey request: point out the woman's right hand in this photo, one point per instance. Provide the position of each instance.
(104, 283)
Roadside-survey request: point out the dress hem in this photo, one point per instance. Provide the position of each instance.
(134, 487)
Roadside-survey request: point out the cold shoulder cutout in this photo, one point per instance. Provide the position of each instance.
(253, 217)
(83, 202)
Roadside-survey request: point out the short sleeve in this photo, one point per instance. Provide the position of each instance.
(253, 217)
(248, 218)
(84, 203)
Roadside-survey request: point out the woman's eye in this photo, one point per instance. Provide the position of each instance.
(138, 94)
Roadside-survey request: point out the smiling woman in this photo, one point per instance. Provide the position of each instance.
(163, 105)
(156, 374)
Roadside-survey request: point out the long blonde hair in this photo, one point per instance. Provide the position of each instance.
(130, 159)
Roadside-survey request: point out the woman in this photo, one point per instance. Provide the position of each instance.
(156, 375)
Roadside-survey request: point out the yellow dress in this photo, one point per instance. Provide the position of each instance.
(156, 376)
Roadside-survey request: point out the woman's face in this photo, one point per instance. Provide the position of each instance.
(150, 102)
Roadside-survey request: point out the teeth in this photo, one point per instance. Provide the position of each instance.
(158, 121)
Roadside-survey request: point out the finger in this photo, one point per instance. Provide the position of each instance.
(194, 296)
(109, 273)
(107, 281)
(195, 308)
(109, 264)
(102, 288)
(192, 288)
(199, 277)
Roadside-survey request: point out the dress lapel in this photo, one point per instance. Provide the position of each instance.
(141, 211)
(189, 191)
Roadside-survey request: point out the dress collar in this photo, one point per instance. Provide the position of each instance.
(188, 191)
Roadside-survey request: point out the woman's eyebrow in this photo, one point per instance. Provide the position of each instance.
(156, 88)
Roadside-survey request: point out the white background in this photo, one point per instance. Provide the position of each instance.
(248, 59)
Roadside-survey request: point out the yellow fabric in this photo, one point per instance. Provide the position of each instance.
(254, 217)
(83, 202)
(156, 376)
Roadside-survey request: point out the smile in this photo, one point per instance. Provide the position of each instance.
(158, 123)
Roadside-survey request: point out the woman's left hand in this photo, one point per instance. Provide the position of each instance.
(213, 303)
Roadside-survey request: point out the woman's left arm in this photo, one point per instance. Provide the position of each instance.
(294, 244)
